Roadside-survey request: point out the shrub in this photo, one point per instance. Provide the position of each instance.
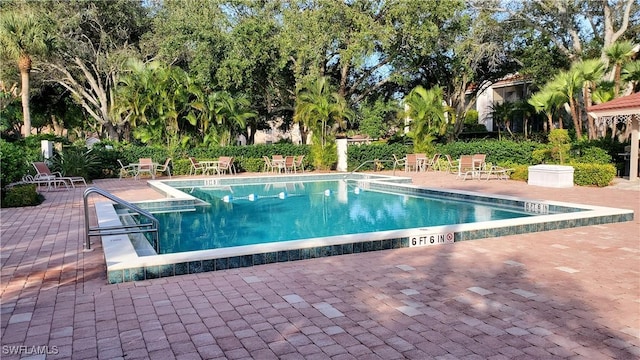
(21, 195)
(592, 154)
(250, 165)
(14, 164)
(180, 167)
(76, 161)
(593, 174)
(324, 158)
(520, 172)
(560, 142)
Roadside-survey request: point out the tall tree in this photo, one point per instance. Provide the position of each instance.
(23, 36)
(252, 64)
(371, 43)
(96, 39)
(574, 26)
(192, 35)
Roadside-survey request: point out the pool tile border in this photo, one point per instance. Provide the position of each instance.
(562, 216)
(200, 266)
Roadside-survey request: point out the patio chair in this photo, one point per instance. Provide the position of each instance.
(268, 166)
(451, 165)
(278, 163)
(43, 172)
(399, 162)
(289, 164)
(298, 163)
(126, 170)
(433, 163)
(195, 167)
(465, 167)
(146, 165)
(479, 161)
(225, 163)
(165, 168)
(411, 162)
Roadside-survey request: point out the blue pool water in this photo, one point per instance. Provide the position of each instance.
(254, 214)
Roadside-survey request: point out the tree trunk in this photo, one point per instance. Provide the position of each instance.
(58, 127)
(112, 132)
(576, 119)
(26, 114)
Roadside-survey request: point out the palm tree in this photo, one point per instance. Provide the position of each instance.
(427, 113)
(319, 109)
(322, 111)
(21, 37)
(567, 85)
(619, 53)
(502, 114)
(546, 101)
(234, 114)
(526, 110)
(591, 72)
(631, 74)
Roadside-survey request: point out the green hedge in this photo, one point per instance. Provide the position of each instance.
(358, 154)
(592, 166)
(498, 152)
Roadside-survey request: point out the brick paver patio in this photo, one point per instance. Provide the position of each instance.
(572, 293)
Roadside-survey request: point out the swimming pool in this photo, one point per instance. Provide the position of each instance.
(126, 262)
(250, 214)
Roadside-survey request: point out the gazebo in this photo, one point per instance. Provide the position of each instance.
(623, 109)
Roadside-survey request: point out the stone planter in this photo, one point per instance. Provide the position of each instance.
(556, 176)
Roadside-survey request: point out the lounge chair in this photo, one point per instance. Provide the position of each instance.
(51, 182)
(165, 168)
(499, 172)
(43, 173)
(195, 167)
(126, 170)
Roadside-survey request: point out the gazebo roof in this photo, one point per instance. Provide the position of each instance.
(625, 105)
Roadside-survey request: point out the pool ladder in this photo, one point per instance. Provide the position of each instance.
(98, 230)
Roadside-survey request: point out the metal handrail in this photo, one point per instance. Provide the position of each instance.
(118, 229)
